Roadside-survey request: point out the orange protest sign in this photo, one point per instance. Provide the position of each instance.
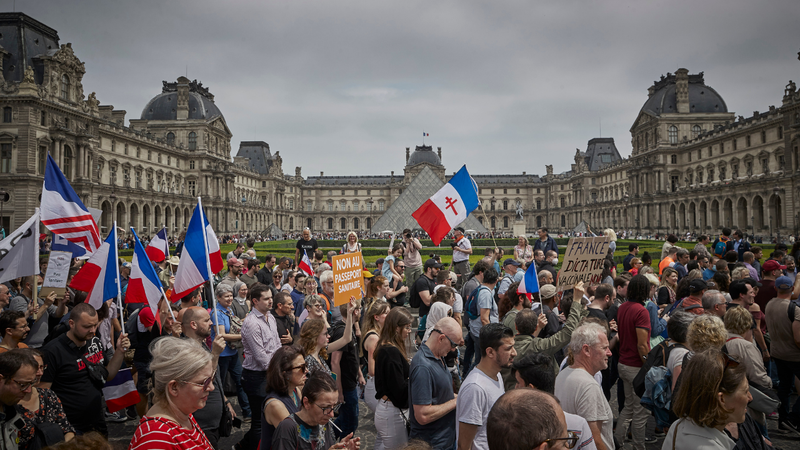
(348, 280)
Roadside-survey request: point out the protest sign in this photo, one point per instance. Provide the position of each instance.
(55, 278)
(347, 277)
(583, 261)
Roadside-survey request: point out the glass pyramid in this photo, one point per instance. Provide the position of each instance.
(422, 187)
(274, 231)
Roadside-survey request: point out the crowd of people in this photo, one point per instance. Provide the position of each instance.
(707, 342)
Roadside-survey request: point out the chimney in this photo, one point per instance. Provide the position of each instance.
(523, 172)
(682, 90)
(440, 153)
(297, 171)
(408, 152)
(183, 98)
(321, 173)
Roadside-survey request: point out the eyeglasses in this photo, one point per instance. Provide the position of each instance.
(206, 383)
(24, 386)
(329, 409)
(729, 361)
(318, 305)
(303, 368)
(571, 439)
(452, 344)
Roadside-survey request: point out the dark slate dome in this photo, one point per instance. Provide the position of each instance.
(702, 98)
(424, 154)
(164, 106)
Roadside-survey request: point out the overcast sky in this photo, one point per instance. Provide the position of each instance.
(502, 86)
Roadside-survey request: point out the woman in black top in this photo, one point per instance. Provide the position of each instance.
(391, 381)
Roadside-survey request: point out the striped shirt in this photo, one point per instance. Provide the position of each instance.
(158, 433)
(260, 339)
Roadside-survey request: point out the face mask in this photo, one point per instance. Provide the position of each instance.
(555, 261)
(38, 290)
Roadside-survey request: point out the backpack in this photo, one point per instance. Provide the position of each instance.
(471, 305)
(721, 247)
(791, 310)
(497, 287)
(658, 356)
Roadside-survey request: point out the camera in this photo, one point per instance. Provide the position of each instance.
(408, 235)
(452, 245)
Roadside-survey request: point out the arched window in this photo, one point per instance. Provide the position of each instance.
(171, 138)
(563, 220)
(538, 221)
(67, 162)
(65, 87)
(291, 223)
(355, 224)
(696, 131)
(672, 132)
(342, 223)
(369, 223)
(505, 222)
(192, 141)
(494, 222)
(309, 222)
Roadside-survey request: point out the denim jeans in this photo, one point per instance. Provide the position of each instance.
(348, 414)
(787, 370)
(254, 384)
(233, 366)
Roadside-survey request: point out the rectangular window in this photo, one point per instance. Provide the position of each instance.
(309, 206)
(191, 164)
(380, 205)
(43, 119)
(42, 158)
(747, 141)
(291, 203)
(538, 204)
(192, 187)
(7, 114)
(149, 155)
(5, 158)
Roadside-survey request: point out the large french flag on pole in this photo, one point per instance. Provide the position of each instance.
(449, 206)
(98, 276)
(530, 282)
(63, 212)
(195, 260)
(143, 285)
(158, 248)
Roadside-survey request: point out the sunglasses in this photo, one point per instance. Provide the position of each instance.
(571, 439)
(303, 368)
(206, 383)
(452, 344)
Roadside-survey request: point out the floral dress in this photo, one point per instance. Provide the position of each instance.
(314, 365)
(50, 411)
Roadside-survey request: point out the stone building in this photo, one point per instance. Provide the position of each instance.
(695, 166)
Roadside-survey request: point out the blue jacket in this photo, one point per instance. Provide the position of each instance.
(548, 244)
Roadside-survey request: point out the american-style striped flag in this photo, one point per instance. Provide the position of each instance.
(63, 212)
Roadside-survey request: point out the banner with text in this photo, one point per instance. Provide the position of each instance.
(583, 261)
(348, 281)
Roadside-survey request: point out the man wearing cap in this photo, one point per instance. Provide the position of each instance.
(234, 270)
(772, 270)
(694, 302)
(784, 331)
(461, 251)
(547, 294)
(169, 271)
(422, 291)
(509, 270)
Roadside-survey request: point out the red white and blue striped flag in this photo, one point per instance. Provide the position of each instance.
(63, 212)
(200, 252)
(120, 392)
(158, 248)
(449, 206)
(98, 276)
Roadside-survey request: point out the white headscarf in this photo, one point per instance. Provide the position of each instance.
(439, 310)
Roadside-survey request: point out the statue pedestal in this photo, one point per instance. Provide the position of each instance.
(519, 227)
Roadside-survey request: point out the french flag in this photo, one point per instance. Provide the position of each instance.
(195, 259)
(305, 265)
(449, 206)
(63, 212)
(143, 285)
(158, 248)
(120, 392)
(98, 276)
(530, 282)
(425, 134)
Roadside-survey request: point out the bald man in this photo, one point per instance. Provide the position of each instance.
(432, 402)
(509, 426)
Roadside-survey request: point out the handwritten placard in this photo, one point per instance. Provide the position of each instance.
(583, 261)
(55, 278)
(348, 280)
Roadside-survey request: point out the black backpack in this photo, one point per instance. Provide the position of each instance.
(658, 356)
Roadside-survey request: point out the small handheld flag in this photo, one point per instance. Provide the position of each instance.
(449, 206)
(305, 265)
(120, 392)
(530, 282)
(98, 276)
(158, 248)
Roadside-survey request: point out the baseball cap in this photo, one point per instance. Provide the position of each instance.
(771, 265)
(432, 263)
(234, 261)
(126, 265)
(547, 291)
(783, 283)
(461, 229)
(367, 274)
(512, 262)
(697, 285)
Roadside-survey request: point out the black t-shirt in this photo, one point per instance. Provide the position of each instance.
(309, 246)
(284, 325)
(349, 363)
(423, 283)
(70, 380)
(598, 313)
(400, 300)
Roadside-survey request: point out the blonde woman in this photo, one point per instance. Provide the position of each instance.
(669, 285)
(612, 246)
(523, 251)
(374, 318)
(352, 245)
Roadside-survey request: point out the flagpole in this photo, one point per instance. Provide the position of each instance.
(119, 283)
(34, 289)
(208, 262)
(167, 238)
(480, 203)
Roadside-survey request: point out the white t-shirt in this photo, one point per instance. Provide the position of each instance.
(597, 377)
(461, 256)
(580, 394)
(580, 427)
(676, 358)
(475, 399)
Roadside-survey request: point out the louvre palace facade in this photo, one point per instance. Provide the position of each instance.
(695, 166)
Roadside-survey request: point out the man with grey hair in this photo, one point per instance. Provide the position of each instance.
(577, 389)
(714, 303)
(326, 282)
